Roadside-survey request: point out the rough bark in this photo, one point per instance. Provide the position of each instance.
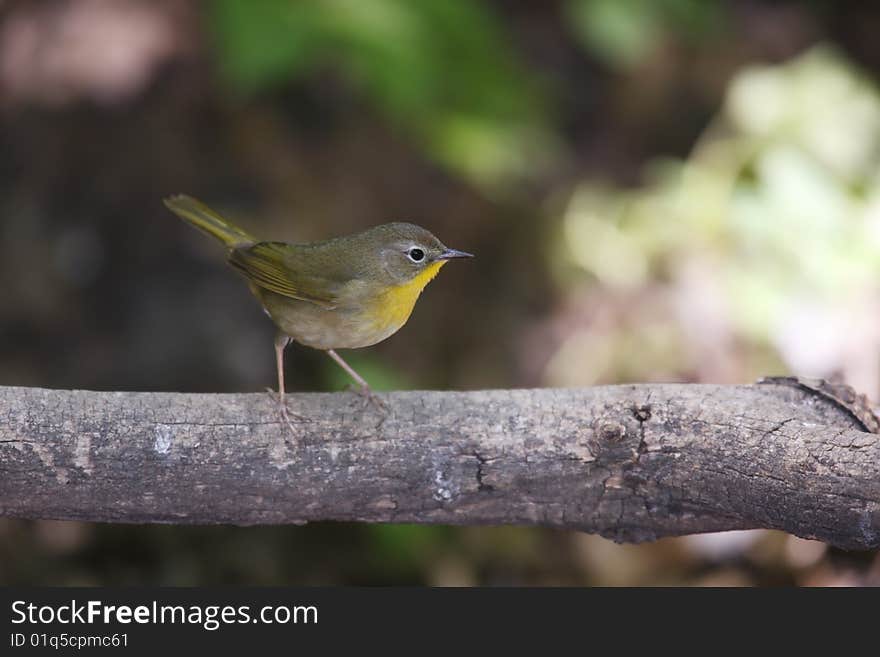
(632, 462)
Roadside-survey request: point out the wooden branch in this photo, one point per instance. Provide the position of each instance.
(632, 462)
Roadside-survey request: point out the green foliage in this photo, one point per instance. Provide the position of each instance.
(400, 548)
(625, 32)
(441, 69)
(264, 42)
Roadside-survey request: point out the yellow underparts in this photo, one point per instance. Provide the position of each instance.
(396, 304)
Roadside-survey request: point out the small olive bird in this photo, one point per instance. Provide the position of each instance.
(342, 293)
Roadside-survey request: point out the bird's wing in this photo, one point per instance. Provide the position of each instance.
(280, 268)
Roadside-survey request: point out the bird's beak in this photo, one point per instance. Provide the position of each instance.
(448, 254)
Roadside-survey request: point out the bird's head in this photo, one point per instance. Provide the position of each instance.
(408, 253)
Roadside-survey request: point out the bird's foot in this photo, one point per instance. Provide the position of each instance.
(286, 416)
(370, 397)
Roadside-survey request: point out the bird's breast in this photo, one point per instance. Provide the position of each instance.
(394, 305)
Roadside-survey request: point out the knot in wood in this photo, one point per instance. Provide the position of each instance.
(642, 413)
(612, 431)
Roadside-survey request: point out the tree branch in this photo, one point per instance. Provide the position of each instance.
(632, 462)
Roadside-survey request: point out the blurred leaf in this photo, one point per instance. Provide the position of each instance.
(440, 68)
(403, 547)
(265, 42)
(775, 216)
(624, 32)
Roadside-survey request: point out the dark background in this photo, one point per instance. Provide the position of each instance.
(669, 190)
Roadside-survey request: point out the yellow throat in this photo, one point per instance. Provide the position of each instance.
(395, 304)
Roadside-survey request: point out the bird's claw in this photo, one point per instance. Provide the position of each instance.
(370, 397)
(286, 416)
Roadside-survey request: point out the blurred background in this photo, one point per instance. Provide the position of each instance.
(657, 190)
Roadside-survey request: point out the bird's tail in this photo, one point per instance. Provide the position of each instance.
(205, 219)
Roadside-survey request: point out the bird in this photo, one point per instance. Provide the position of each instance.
(345, 292)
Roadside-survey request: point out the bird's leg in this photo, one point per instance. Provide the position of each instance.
(364, 386)
(281, 341)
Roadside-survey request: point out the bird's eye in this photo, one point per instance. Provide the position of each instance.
(416, 254)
